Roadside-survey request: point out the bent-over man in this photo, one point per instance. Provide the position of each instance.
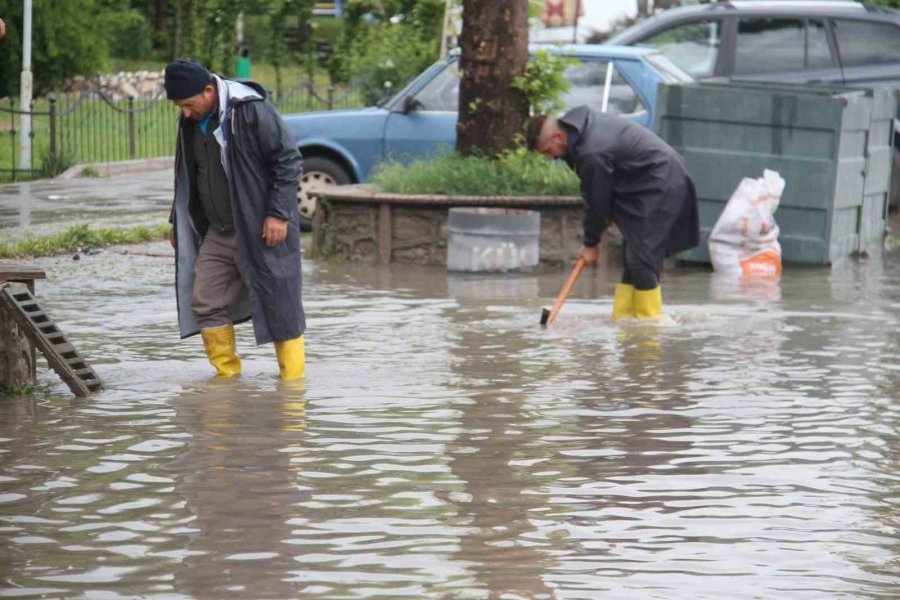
(235, 223)
(631, 177)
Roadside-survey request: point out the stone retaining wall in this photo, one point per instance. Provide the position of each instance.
(119, 86)
(359, 223)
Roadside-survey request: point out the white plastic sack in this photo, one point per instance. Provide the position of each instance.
(745, 238)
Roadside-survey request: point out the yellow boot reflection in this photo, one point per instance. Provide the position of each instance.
(293, 405)
(220, 349)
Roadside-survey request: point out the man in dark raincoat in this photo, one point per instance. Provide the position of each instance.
(235, 223)
(631, 177)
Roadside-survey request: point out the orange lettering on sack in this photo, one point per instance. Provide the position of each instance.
(765, 264)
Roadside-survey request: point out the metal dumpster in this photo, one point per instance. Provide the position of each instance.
(831, 145)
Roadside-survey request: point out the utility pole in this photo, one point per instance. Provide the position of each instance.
(447, 28)
(26, 85)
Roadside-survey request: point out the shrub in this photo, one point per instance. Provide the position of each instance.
(130, 34)
(544, 81)
(514, 173)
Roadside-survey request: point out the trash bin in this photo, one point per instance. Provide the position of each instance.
(493, 239)
(831, 145)
(242, 63)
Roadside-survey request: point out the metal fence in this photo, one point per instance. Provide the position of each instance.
(89, 127)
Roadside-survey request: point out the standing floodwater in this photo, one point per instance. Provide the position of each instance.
(443, 445)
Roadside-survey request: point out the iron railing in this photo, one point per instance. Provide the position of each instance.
(90, 127)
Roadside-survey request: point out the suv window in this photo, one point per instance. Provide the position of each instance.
(769, 46)
(588, 80)
(861, 43)
(818, 54)
(692, 46)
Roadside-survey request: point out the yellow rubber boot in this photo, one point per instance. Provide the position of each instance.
(648, 303)
(291, 358)
(623, 301)
(220, 348)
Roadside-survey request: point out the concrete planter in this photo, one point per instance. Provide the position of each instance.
(358, 222)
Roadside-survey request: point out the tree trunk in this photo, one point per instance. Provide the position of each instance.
(494, 42)
(161, 11)
(176, 33)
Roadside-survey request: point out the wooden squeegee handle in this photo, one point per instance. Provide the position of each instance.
(564, 292)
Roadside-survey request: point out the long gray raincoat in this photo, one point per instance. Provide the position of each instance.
(630, 175)
(263, 167)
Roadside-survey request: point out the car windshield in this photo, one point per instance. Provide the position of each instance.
(439, 93)
(390, 100)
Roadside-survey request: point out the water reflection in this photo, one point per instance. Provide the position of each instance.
(497, 446)
(445, 446)
(238, 478)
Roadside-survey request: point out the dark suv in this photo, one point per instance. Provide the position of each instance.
(800, 41)
(791, 41)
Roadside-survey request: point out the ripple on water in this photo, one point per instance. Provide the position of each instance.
(444, 445)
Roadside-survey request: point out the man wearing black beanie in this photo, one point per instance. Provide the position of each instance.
(235, 225)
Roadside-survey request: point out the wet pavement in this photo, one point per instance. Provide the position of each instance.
(47, 206)
(443, 445)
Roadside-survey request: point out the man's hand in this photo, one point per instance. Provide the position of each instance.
(589, 253)
(172, 239)
(274, 230)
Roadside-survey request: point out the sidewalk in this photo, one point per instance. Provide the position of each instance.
(45, 207)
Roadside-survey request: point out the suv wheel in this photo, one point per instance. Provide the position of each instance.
(316, 172)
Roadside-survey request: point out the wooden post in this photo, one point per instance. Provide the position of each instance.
(564, 236)
(318, 225)
(18, 358)
(385, 233)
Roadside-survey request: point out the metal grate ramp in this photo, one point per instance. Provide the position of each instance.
(49, 339)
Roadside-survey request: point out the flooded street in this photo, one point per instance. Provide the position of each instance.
(444, 446)
(47, 206)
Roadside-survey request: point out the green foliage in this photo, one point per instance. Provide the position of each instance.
(207, 31)
(66, 41)
(79, 37)
(82, 237)
(278, 13)
(54, 165)
(515, 173)
(892, 3)
(544, 81)
(383, 56)
(130, 34)
(386, 41)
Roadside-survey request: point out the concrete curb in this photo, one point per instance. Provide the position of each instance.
(120, 167)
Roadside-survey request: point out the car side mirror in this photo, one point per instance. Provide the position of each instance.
(411, 104)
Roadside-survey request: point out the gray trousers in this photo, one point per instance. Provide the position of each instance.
(218, 281)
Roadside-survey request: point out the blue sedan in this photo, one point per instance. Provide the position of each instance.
(341, 147)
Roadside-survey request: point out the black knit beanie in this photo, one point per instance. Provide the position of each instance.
(185, 79)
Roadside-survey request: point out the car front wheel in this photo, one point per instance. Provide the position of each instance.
(317, 171)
